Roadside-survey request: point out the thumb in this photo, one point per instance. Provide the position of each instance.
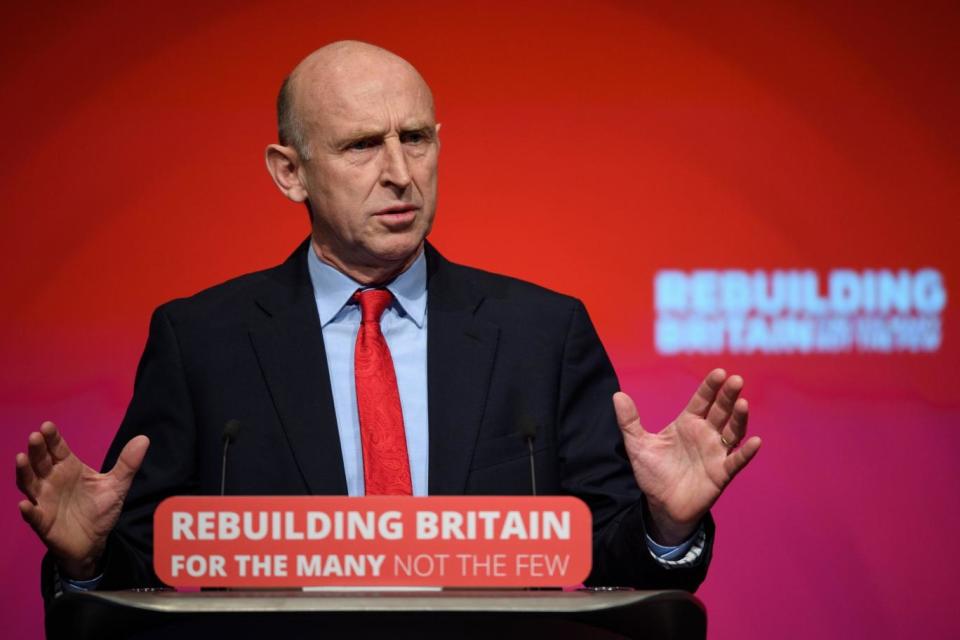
(627, 416)
(131, 457)
(31, 514)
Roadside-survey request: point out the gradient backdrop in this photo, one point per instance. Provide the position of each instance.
(586, 146)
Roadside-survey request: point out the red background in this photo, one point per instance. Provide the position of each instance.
(585, 146)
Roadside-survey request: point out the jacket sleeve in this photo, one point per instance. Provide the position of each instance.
(161, 409)
(595, 468)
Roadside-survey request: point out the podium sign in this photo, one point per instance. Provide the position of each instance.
(315, 541)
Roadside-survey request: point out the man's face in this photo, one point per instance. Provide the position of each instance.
(371, 177)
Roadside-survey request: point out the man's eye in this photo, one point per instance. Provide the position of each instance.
(414, 137)
(361, 145)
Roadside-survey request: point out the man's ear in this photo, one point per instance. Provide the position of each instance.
(283, 163)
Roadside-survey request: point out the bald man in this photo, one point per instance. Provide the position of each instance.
(476, 357)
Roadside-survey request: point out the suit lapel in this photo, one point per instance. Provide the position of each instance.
(289, 347)
(460, 355)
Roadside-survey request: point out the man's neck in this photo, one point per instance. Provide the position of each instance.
(366, 275)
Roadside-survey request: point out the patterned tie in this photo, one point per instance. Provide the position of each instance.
(386, 467)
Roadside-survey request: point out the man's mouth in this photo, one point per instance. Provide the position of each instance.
(398, 208)
(397, 216)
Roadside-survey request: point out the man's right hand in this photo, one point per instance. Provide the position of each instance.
(70, 506)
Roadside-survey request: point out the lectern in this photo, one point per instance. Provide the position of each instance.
(281, 614)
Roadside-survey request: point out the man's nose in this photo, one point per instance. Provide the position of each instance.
(395, 170)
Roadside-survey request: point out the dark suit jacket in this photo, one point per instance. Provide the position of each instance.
(499, 352)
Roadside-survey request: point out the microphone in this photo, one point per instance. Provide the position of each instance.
(528, 429)
(230, 431)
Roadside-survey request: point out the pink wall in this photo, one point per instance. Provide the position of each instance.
(586, 146)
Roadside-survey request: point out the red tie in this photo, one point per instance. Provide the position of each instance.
(386, 467)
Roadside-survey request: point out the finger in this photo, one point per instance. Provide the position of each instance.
(738, 459)
(56, 445)
(700, 402)
(736, 426)
(31, 514)
(627, 416)
(723, 406)
(131, 457)
(39, 456)
(26, 479)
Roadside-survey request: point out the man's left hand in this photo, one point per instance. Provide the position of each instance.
(684, 468)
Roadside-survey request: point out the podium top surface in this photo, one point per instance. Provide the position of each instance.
(451, 601)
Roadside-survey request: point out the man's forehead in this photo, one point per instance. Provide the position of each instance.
(368, 103)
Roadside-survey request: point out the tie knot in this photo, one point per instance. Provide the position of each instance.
(372, 303)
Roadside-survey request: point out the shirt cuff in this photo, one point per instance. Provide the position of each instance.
(667, 552)
(74, 586)
(686, 554)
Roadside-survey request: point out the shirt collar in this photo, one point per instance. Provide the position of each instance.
(333, 289)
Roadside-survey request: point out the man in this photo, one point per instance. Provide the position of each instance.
(470, 360)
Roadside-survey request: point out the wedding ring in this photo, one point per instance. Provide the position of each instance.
(723, 441)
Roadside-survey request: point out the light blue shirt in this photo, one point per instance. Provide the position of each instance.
(404, 326)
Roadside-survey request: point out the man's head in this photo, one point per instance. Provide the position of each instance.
(359, 145)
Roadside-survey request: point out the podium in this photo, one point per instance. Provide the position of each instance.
(281, 614)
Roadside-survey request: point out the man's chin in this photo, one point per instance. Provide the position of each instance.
(397, 254)
(392, 258)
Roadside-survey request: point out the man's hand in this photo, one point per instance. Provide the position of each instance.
(70, 506)
(684, 468)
